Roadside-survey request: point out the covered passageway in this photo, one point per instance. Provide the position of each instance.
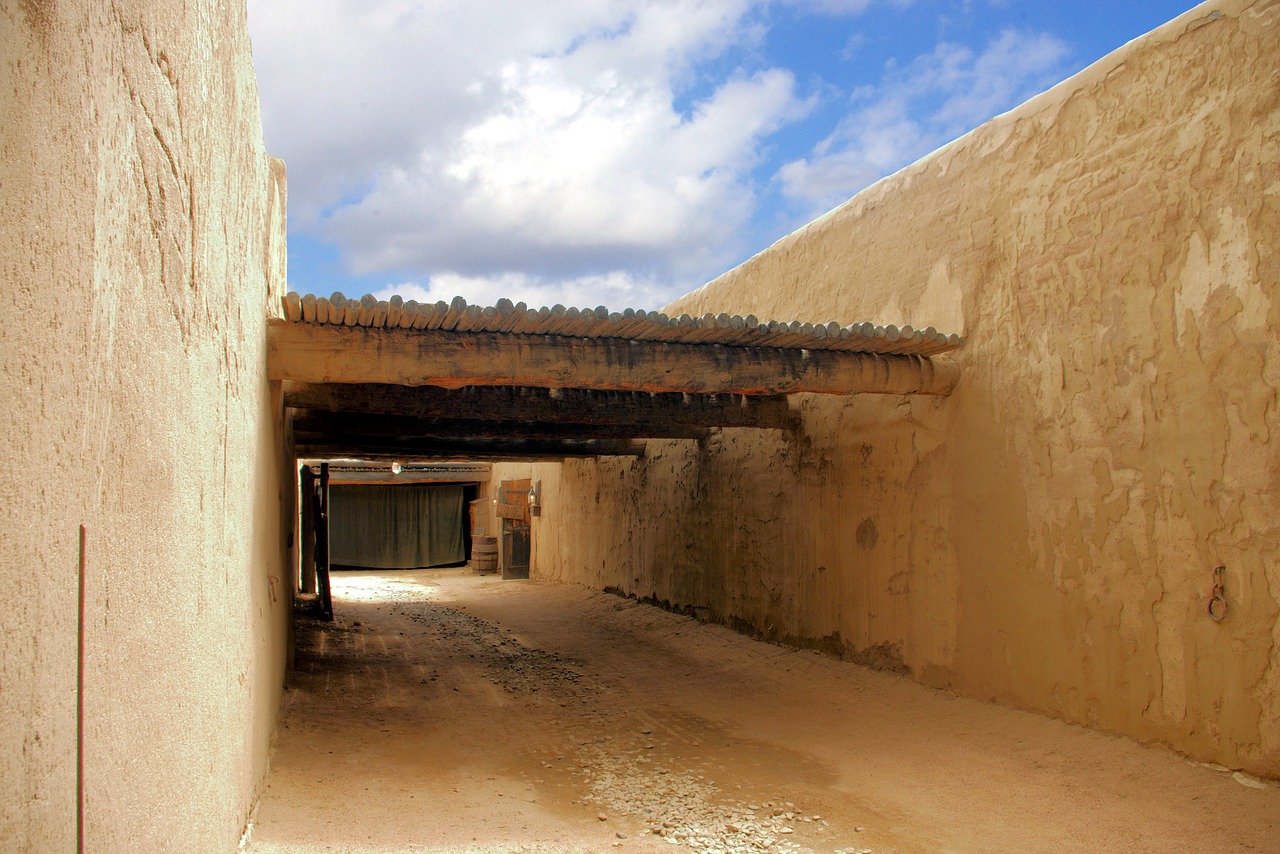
(376, 384)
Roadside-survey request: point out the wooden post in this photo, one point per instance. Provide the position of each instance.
(307, 570)
(322, 546)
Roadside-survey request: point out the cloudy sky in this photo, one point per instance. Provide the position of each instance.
(622, 152)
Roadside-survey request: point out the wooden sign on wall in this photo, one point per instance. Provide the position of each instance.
(511, 511)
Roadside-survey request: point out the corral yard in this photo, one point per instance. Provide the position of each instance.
(444, 711)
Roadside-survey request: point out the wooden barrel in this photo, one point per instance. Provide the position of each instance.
(484, 554)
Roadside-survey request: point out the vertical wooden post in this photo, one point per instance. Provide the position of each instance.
(322, 545)
(307, 530)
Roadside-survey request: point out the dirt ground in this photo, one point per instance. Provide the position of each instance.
(447, 712)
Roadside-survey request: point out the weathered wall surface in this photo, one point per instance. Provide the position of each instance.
(141, 235)
(1045, 537)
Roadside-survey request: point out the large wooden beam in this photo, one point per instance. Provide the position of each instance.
(309, 425)
(375, 456)
(357, 354)
(641, 410)
(357, 447)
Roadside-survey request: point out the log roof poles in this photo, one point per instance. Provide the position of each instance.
(635, 325)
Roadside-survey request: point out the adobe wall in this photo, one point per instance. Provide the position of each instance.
(141, 243)
(1044, 537)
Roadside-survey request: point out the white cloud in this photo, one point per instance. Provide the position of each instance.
(566, 182)
(614, 290)
(351, 88)
(483, 137)
(838, 7)
(564, 169)
(936, 98)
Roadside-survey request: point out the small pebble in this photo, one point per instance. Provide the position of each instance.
(603, 817)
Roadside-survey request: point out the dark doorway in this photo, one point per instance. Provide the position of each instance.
(382, 526)
(514, 510)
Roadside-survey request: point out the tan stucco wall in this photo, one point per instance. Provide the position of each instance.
(1045, 537)
(141, 234)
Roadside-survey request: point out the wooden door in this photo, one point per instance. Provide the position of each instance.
(513, 508)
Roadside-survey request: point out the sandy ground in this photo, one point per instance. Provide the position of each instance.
(442, 711)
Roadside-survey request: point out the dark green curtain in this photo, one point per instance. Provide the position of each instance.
(396, 527)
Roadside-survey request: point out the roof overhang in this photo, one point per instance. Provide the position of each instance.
(394, 380)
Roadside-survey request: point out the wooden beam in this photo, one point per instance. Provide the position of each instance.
(311, 425)
(338, 455)
(470, 449)
(357, 354)
(641, 410)
(410, 472)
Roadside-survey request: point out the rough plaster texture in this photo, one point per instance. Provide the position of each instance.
(141, 236)
(1044, 537)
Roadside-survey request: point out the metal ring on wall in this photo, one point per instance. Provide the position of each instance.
(1218, 608)
(1218, 598)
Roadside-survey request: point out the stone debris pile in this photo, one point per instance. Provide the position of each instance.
(511, 665)
(686, 808)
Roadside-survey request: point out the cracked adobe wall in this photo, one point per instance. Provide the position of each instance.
(141, 241)
(1045, 537)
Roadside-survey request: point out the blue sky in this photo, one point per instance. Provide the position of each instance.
(622, 152)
